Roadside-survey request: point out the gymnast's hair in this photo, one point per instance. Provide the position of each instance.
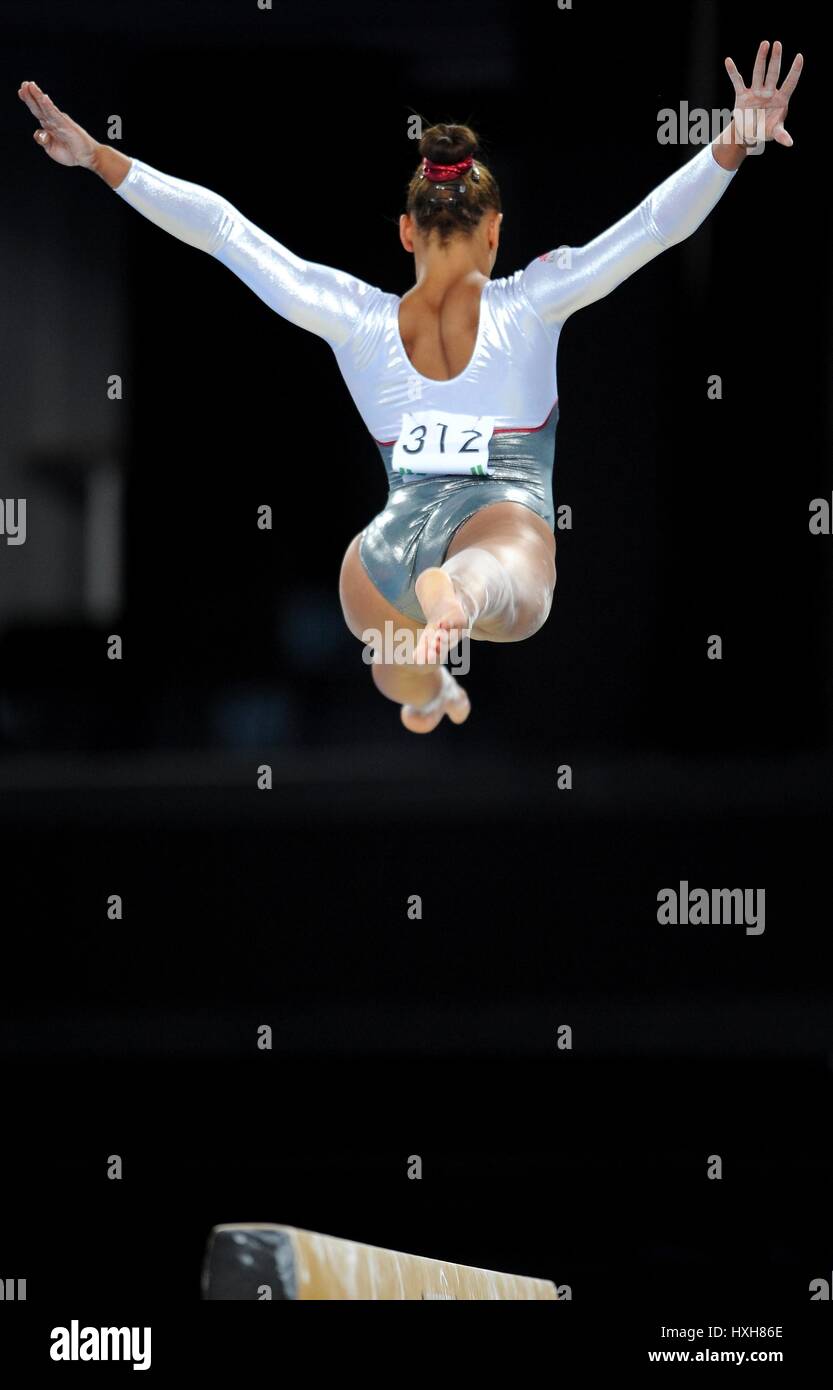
(458, 204)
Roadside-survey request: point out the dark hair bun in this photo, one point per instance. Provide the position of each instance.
(457, 205)
(448, 144)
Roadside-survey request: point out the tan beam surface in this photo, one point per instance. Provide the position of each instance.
(257, 1261)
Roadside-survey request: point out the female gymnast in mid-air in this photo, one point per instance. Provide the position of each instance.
(455, 380)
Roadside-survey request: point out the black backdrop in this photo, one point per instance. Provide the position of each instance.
(289, 908)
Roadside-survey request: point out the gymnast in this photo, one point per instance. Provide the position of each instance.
(455, 380)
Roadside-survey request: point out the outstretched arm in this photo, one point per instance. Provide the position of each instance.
(325, 301)
(569, 278)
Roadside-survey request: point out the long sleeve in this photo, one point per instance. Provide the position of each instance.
(325, 301)
(569, 278)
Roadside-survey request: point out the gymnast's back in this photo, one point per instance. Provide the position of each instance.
(511, 373)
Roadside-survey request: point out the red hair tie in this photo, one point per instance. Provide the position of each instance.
(441, 173)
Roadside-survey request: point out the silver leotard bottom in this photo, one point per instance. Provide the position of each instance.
(423, 512)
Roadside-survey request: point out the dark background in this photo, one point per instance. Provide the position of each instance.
(289, 908)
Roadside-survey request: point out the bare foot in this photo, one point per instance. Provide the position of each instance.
(452, 700)
(446, 622)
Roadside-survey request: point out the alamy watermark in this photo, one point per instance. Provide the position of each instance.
(697, 126)
(398, 646)
(710, 907)
(77, 1343)
(13, 519)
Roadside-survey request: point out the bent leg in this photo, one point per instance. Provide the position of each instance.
(498, 578)
(425, 692)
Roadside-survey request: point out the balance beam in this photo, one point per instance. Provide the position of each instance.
(257, 1261)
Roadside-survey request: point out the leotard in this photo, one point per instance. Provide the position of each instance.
(507, 395)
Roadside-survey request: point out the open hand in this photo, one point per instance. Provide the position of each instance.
(761, 108)
(64, 141)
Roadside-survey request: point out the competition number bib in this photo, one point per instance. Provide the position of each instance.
(436, 441)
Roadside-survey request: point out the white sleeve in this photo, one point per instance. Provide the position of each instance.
(323, 300)
(561, 281)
